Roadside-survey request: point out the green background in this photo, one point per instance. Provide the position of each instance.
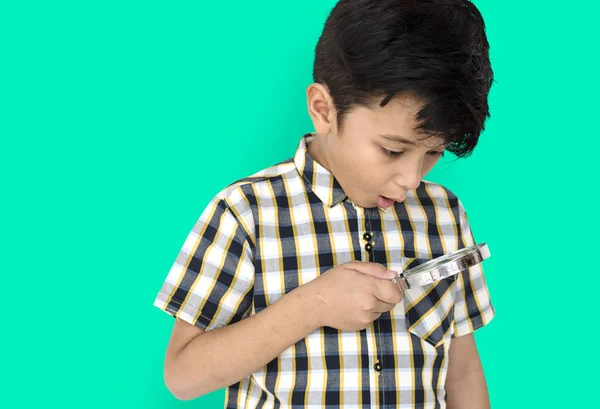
(120, 120)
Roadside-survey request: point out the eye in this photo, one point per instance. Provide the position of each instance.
(436, 153)
(391, 154)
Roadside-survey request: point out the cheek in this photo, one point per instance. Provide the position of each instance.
(363, 165)
(428, 165)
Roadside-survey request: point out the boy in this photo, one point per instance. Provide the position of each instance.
(282, 290)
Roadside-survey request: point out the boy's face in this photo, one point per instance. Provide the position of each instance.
(377, 157)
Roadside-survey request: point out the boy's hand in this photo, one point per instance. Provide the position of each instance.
(351, 296)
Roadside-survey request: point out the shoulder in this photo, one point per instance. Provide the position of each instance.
(441, 198)
(255, 184)
(437, 199)
(440, 195)
(241, 198)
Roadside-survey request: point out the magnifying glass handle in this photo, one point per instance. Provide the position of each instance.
(401, 282)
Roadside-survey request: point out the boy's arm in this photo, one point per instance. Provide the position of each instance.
(466, 387)
(198, 362)
(347, 297)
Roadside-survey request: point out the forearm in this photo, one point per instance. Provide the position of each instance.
(469, 391)
(465, 384)
(221, 357)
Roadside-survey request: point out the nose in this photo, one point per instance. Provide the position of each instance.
(409, 176)
(412, 182)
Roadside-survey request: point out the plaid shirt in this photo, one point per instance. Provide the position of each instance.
(265, 235)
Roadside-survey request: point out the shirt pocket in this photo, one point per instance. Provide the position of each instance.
(429, 310)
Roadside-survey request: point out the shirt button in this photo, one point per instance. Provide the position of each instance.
(369, 247)
(367, 236)
(377, 366)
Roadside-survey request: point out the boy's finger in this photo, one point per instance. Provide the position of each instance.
(384, 306)
(373, 269)
(388, 292)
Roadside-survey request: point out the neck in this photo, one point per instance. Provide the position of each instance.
(317, 150)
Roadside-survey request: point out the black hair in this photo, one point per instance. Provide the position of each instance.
(435, 50)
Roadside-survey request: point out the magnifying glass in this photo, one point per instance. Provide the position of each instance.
(443, 267)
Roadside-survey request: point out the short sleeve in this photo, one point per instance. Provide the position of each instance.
(473, 308)
(210, 283)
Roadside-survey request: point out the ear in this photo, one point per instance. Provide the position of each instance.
(321, 109)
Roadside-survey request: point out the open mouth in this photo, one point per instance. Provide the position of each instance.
(384, 202)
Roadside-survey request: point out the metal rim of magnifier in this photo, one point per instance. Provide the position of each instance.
(444, 266)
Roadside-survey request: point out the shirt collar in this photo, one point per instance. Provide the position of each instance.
(319, 179)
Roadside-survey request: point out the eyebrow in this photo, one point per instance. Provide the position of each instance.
(403, 139)
(398, 138)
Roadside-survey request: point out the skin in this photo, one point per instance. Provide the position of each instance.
(374, 170)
